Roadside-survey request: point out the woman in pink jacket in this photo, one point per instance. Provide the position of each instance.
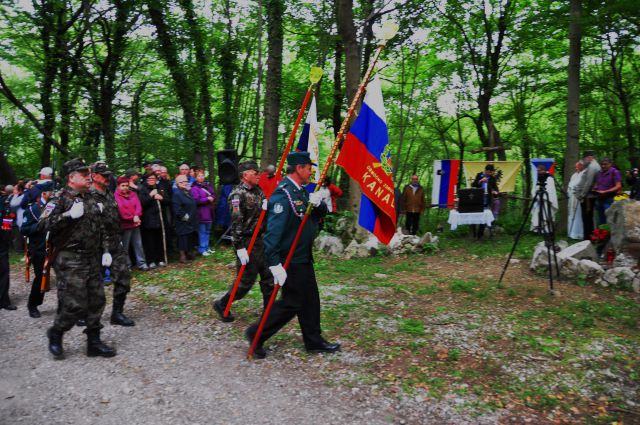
(130, 211)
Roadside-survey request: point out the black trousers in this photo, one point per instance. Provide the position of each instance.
(587, 208)
(413, 220)
(5, 246)
(300, 298)
(35, 296)
(152, 243)
(257, 266)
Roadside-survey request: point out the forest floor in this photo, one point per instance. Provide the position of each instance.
(426, 339)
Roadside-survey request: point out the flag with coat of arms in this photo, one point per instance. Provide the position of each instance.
(308, 142)
(365, 156)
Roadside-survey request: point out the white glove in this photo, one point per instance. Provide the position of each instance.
(76, 210)
(243, 256)
(264, 204)
(153, 193)
(315, 198)
(185, 217)
(279, 274)
(106, 259)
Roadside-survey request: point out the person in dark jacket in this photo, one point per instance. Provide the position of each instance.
(487, 181)
(413, 204)
(8, 217)
(37, 249)
(154, 202)
(633, 180)
(204, 195)
(185, 218)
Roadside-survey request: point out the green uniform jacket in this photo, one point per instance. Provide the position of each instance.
(286, 207)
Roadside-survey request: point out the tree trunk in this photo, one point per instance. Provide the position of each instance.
(275, 12)
(338, 95)
(256, 130)
(185, 92)
(573, 103)
(347, 32)
(202, 60)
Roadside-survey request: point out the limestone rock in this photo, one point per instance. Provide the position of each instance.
(356, 250)
(580, 251)
(332, 245)
(403, 244)
(590, 269)
(621, 277)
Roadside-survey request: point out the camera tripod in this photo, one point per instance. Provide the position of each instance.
(545, 227)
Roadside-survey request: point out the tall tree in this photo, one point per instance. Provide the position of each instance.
(275, 12)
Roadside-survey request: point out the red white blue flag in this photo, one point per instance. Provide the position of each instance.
(549, 164)
(365, 157)
(445, 180)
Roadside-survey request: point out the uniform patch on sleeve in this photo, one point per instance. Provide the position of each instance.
(278, 208)
(235, 203)
(47, 209)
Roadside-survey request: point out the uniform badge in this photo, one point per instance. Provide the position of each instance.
(235, 203)
(47, 209)
(278, 208)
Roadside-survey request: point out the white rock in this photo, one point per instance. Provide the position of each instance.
(622, 277)
(581, 251)
(330, 244)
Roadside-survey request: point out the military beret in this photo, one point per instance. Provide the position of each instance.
(299, 158)
(74, 165)
(588, 153)
(46, 186)
(101, 167)
(131, 172)
(247, 165)
(490, 167)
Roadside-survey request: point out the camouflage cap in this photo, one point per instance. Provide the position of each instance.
(75, 165)
(101, 167)
(247, 165)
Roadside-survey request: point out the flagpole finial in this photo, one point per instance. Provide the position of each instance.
(386, 32)
(315, 74)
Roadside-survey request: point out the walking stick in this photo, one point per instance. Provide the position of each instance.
(164, 239)
(389, 30)
(314, 77)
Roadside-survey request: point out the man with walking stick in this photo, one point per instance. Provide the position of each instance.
(120, 274)
(246, 202)
(300, 296)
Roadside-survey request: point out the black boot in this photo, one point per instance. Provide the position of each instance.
(117, 317)
(55, 343)
(95, 347)
(219, 307)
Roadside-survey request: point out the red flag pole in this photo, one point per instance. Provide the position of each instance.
(316, 74)
(325, 169)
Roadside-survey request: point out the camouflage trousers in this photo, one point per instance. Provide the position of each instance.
(256, 266)
(120, 274)
(80, 290)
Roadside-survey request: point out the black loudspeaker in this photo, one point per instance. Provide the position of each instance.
(228, 166)
(470, 200)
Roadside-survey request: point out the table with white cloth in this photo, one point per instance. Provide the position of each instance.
(457, 218)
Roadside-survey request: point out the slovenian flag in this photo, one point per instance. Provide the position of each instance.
(445, 180)
(365, 157)
(547, 162)
(309, 143)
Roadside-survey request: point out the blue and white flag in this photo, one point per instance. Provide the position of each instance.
(309, 143)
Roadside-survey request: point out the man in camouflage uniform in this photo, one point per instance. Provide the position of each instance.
(120, 274)
(76, 232)
(246, 202)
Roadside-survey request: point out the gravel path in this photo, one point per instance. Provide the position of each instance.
(166, 372)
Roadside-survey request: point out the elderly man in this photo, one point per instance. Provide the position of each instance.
(585, 196)
(300, 295)
(608, 182)
(413, 204)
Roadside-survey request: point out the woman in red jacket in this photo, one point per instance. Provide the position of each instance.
(130, 211)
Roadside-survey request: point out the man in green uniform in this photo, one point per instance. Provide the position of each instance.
(246, 202)
(120, 274)
(76, 233)
(300, 296)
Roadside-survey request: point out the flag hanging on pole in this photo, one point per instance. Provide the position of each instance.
(445, 179)
(365, 157)
(549, 164)
(309, 143)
